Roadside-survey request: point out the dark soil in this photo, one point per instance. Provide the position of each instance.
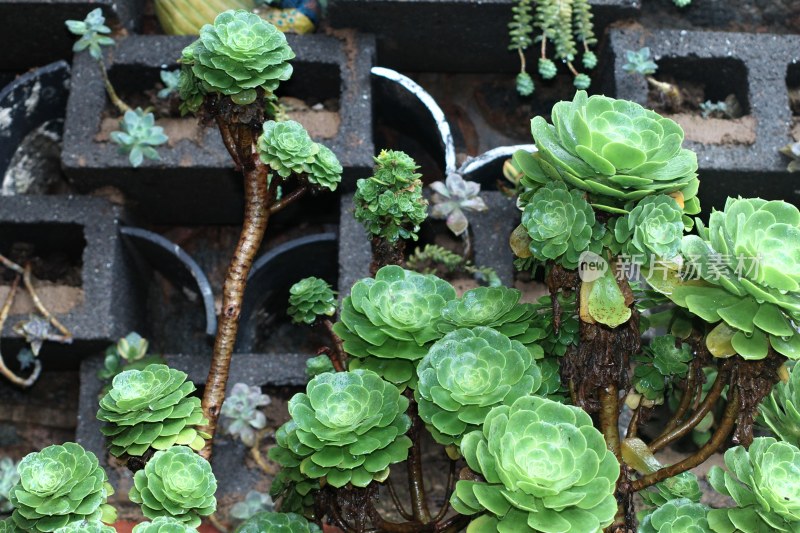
(57, 266)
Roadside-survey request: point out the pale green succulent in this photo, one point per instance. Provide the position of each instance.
(347, 428)
(560, 224)
(241, 412)
(764, 482)
(388, 323)
(614, 150)
(497, 308)
(749, 260)
(8, 478)
(467, 373)
(255, 502)
(175, 482)
(639, 62)
(59, 485)
(310, 298)
(171, 80)
(151, 408)
(684, 486)
(318, 365)
(546, 468)
(326, 171)
(163, 524)
(278, 523)
(652, 231)
(677, 516)
(780, 411)
(237, 55)
(454, 196)
(86, 526)
(525, 85)
(287, 148)
(138, 136)
(93, 33)
(390, 203)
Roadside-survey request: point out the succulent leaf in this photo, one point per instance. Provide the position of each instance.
(780, 411)
(9, 477)
(163, 524)
(242, 416)
(652, 230)
(268, 522)
(677, 516)
(93, 33)
(454, 196)
(309, 298)
(138, 136)
(287, 148)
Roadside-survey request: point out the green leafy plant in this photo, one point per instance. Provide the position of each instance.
(348, 428)
(86, 526)
(465, 374)
(138, 136)
(545, 466)
(163, 524)
(639, 62)
(388, 323)
(242, 414)
(171, 80)
(454, 196)
(763, 482)
(660, 364)
(652, 231)
(8, 479)
(677, 516)
(59, 485)
(287, 148)
(255, 502)
(310, 298)
(93, 33)
(129, 353)
(151, 408)
(780, 411)
(318, 365)
(792, 150)
(175, 482)
(278, 523)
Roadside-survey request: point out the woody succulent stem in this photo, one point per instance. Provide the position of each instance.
(258, 199)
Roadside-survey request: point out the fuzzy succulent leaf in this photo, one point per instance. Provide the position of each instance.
(780, 411)
(86, 526)
(390, 203)
(151, 408)
(749, 262)
(560, 224)
(614, 150)
(269, 522)
(138, 136)
(309, 298)
(454, 196)
(388, 323)
(93, 33)
(59, 485)
(235, 56)
(652, 230)
(764, 482)
(176, 482)
(639, 62)
(9, 477)
(546, 468)
(242, 416)
(677, 516)
(465, 374)
(255, 502)
(163, 524)
(287, 148)
(347, 428)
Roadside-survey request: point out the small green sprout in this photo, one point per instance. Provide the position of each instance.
(138, 136)
(92, 31)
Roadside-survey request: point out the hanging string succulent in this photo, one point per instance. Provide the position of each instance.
(567, 24)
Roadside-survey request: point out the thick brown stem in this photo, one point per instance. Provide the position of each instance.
(705, 407)
(336, 354)
(416, 485)
(258, 198)
(689, 392)
(717, 439)
(609, 418)
(386, 253)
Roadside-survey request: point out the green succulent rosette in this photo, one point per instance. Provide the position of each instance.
(390, 204)
(326, 171)
(8, 526)
(151, 408)
(780, 411)
(267, 522)
(497, 308)
(615, 150)
(176, 482)
(287, 148)
(86, 526)
(347, 428)
(764, 483)
(309, 298)
(561, 225)
(388, 323)
(546, 469)
(677, 516)
(748, 259)
(652, 230)
(465, 375)
(163, 524)
(235, 56)
(683, 486)
(59, 485)
(294, 488)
